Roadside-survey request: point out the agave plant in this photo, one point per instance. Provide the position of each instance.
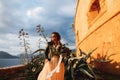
(79, 69)
(104, 57)
(35, 66)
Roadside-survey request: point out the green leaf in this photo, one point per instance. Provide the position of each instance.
(89, 54)
(86, 72)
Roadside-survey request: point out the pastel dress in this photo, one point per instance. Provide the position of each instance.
(53, 69)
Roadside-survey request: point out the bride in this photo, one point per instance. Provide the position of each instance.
(54, 67)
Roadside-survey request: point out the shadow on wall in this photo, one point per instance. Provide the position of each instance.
(108, 60)
(112, 68)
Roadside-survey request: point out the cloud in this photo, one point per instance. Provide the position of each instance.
(53, 15)
(1, 5)
(2, 42)
(34, 13)
(11, 43)
(7, 41)
(67, 11)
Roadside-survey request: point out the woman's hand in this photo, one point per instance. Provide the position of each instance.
(46, 60)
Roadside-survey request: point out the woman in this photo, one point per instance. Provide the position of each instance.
(54, 67)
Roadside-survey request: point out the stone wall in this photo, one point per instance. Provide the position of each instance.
(13, 72)
(97, 24)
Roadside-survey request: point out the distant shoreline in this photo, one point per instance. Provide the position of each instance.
(10, 58)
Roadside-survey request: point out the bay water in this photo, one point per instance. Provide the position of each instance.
(9, 62)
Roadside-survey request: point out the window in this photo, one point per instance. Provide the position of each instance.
(93, 11)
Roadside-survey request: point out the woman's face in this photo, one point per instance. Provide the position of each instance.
(53, 38)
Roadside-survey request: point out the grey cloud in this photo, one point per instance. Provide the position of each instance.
(13, 17)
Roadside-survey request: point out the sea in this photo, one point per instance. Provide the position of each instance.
(9, 62)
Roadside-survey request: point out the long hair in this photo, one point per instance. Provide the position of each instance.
(57, 35)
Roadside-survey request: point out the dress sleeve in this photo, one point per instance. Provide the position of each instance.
(46, 51)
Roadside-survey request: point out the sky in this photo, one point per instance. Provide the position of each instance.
(52, 15)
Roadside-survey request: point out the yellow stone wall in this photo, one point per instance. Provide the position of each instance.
(97, 24)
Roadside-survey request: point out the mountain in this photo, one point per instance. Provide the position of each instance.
(4, 54)
(23, 55)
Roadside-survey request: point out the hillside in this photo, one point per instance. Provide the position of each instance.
(6, 55)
